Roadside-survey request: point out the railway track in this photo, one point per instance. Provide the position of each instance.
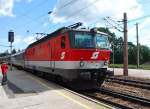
(135, 83)
(112, 95)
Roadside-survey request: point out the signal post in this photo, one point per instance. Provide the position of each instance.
(11, 40)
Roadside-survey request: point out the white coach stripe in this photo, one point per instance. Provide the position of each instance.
(66, 64)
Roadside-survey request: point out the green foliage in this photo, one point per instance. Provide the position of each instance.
(144, 54)
(13, 51)
(117, 43)
(7, 53)
(4, 54)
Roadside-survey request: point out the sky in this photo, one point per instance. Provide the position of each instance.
(28, 17)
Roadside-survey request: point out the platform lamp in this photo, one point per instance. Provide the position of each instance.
(11, 40)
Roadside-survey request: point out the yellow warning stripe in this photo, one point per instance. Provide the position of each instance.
(62, 94)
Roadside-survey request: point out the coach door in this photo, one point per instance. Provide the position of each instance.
(52, 55)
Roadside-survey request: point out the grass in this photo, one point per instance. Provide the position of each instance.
(145, 67)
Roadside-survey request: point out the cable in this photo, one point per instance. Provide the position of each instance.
(76, 12)
(37, 18)
(63, 6)
(43, 15)
(140, 18)
(117, 23)
(29, 10)
(145, 2)
(115, 27)
(4, 46)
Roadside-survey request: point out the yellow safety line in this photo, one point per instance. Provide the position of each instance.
(83, 105)
(62, 94)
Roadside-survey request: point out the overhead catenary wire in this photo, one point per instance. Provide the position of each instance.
(45, 14)
(68, 3)
(39, 5)
(113, 26)
(140, 18)
(116, 22)
(25, 14)
(76, 12)
(61, 7)
(4, 45)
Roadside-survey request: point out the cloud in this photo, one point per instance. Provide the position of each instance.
(144, 33)
(89, 11)
(29, 39)
(30, 1)
(21, 42)
(6, 7)
(93, 12)
(45, 24)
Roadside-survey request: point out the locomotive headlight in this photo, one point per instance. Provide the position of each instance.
(81, 63)
(105, 62)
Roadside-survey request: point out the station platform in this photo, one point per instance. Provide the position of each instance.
(27, 91)
(139, 73)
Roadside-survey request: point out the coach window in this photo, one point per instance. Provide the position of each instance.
(63, 40)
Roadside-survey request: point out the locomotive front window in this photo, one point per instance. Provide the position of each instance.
(88, 40)
(102, 41)
(83, 40)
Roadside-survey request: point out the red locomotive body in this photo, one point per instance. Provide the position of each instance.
(72, 54)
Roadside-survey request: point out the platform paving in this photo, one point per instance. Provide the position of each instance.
(26, 91)
(133, 72)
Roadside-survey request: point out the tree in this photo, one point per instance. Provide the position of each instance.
(132, 49)
(144, 54)
(117, 43)
(112, 37)
(18, 50)
(4, 53)
(14, 51)
(132, 53)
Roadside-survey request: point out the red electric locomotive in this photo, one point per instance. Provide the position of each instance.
(74, 55)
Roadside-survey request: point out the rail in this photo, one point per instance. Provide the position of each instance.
(133, 99)
(135, 83)
(136, 99)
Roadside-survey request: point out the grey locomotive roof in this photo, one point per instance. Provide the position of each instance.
(60, 31)
(88, 30)
(18, 53)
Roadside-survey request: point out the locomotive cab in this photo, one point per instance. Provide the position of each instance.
(88, 54)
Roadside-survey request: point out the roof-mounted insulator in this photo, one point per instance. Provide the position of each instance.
(83, 28)
(74, 26)
(93, 30)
